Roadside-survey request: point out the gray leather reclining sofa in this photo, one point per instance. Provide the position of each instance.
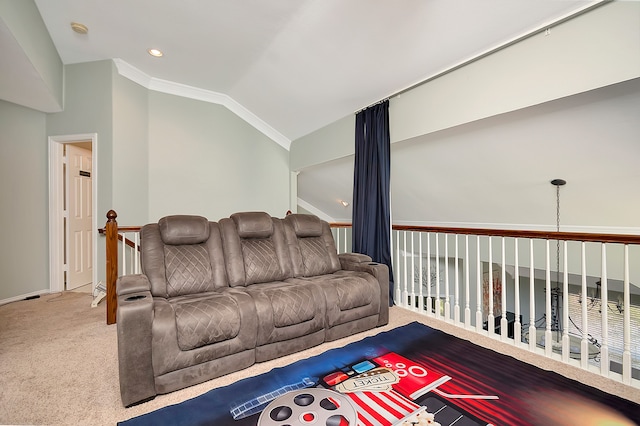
(215, 298)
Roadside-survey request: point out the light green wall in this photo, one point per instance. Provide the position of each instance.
(596, 49)
(130, 151)
(88, 109)
(24, 260)
(158, 154)
(23, 20)
(205, 160)
(328, 143)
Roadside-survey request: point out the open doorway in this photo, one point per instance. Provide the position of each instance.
(73, 223)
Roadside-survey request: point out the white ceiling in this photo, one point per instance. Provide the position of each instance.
(298, 65)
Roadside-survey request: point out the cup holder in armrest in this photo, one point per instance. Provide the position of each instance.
(133, 298)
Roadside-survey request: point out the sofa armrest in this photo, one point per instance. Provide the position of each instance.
(134, 317)
(353, 258)
(362, 262)
(135, 283)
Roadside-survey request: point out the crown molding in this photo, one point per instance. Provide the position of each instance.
(172, 88)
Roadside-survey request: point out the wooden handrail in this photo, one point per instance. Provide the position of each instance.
(544, 235)
(127, 241)
(340, 225)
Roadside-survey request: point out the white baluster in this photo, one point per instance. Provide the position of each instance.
(447, 302)
(490, 317)
(398, 294)
(429, 297)
(136, 252)
(533, 333)
(413, 272)
(467, 307)
(405, 292)
(566, 340)
(346, 249)
(421, 278)
(124, 253)
(548, 335)
(604, 349)
(626, 353)
(456, 291)
(584, 343)
(478, 286)
(517, 330)
(438, 313)
(504, 323)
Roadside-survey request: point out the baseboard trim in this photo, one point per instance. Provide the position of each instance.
(23, 296)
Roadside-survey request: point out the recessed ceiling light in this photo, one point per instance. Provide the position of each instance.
(155, 52)
(79, 28)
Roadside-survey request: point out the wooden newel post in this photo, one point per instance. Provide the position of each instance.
(111, 232)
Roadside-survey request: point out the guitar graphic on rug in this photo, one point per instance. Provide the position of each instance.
(389, 390)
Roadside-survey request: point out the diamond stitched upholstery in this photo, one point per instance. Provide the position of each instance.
(353, 293)
(206, 321)
(260, 261)
(314, 256)
(291, 305)
(221, 296)
(188, 269)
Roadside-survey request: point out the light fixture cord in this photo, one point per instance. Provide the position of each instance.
(558, 229)
(556, 317)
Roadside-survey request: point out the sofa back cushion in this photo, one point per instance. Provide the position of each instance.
(182, 255)
(312, 248)
(188, 270)
(255, 249)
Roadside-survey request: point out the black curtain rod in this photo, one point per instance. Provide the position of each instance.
(372, 105)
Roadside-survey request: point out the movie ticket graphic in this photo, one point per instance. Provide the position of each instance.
(415, 380)
(378, 379)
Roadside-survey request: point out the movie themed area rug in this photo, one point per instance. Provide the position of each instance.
(411, 376)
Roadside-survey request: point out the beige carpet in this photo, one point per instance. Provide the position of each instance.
(58, 363)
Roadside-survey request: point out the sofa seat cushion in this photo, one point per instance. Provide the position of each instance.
(352, 293)
(291, 305)
(193, 329)
(286, 310)
(204, 321)
(349, 295)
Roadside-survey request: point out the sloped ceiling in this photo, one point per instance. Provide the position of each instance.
(297, 65)
(496, 172)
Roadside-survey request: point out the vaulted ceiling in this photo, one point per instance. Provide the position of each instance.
(296, 65)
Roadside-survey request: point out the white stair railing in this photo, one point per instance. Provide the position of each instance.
(556, 303)
(129, 250)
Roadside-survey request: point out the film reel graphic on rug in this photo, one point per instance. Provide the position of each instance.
(316, 406)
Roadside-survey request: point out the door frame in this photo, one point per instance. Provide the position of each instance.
(56, 203)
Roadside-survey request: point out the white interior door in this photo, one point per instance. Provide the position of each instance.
(79, 235)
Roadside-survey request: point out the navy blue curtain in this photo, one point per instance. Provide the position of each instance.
(371, 219)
